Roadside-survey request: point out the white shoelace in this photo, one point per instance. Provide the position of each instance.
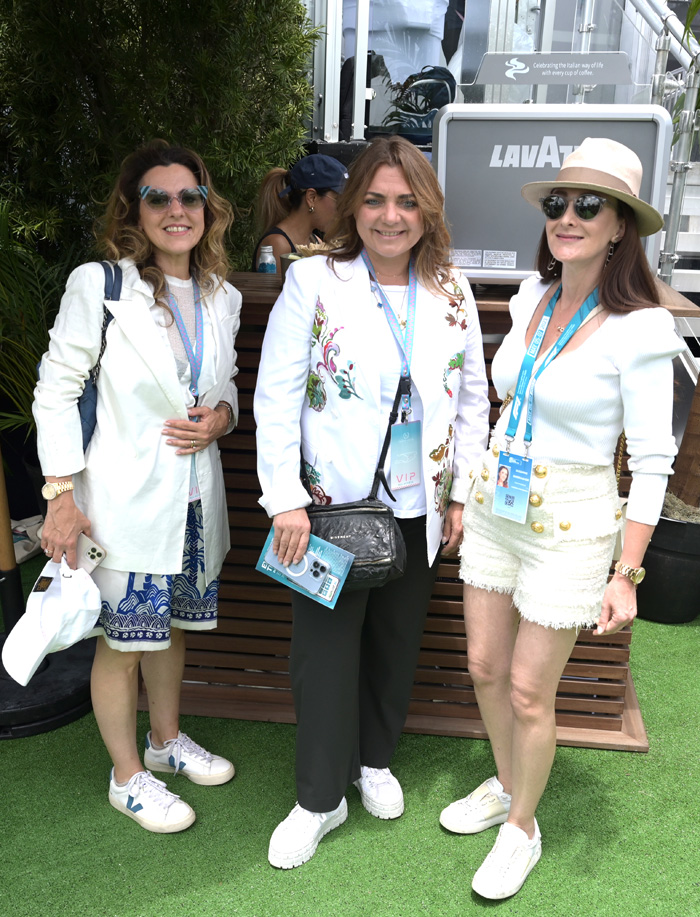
(299, 816)
(510, 853)
(145, 783)
(183, 743)
(377, 776)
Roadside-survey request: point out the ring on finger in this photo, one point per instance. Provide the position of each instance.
(193, 444)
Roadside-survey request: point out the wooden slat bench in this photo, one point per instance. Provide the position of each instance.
(240, 670)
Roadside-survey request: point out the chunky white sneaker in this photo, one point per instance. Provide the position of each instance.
(150, 803)
(510, 862)
(485, 807)
(294, 841)
(183, 756)
(380, 792)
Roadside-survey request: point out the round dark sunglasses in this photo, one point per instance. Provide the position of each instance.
(158, 200)
(586, 207)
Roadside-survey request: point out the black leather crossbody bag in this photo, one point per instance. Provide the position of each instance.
(367, 528)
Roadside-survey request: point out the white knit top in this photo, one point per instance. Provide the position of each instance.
(620, 377)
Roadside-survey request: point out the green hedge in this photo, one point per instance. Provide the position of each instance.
(83, 82)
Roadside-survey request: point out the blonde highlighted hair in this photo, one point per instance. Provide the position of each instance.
(118, 233)
(432, 251)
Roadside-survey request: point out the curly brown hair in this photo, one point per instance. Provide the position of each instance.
(118, 233)
(432, 251)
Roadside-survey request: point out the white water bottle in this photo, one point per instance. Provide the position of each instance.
(266, 260)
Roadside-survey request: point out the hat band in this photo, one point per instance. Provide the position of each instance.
(593, 177)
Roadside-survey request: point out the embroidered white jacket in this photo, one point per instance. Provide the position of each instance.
(319, 389)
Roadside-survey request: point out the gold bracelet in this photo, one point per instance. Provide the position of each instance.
(228, 408)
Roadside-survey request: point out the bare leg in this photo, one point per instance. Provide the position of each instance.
(114, 685)
(538, 661)
(492, 625)
(162, 673)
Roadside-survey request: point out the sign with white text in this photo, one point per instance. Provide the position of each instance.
(483, 155)
(557, 67)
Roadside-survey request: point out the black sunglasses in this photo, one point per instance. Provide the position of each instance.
(586, 207)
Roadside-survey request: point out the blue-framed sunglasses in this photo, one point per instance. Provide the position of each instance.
(158, 200)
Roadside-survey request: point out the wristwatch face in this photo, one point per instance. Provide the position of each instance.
(638, 575)
(48, 491)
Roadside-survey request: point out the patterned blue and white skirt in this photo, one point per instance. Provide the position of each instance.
(138, 609)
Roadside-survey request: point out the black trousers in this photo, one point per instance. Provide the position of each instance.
(352, 670)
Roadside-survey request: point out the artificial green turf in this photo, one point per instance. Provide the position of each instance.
(620, 830)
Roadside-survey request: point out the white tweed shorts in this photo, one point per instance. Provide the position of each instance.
(555, 564)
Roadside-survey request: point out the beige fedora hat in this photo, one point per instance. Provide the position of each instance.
(606, 166)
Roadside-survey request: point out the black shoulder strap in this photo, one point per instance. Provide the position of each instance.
(113, 292)
(275, 231)
(113, 281)
(404, 388)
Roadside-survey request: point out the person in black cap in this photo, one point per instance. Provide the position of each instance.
(296, 206)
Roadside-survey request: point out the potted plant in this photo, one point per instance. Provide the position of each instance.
(671, 590)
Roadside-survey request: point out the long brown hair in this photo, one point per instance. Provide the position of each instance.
(432, 251)
(627, 282)
(118, 233)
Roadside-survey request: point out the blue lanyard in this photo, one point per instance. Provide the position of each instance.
(529, 362)
(403, 338)
(194, 355)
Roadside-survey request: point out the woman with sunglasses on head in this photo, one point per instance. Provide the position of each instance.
(296, 206)
(385, 304)
(149, 487)
(590, 352)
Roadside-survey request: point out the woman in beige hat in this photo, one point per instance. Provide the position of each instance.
(589, 353)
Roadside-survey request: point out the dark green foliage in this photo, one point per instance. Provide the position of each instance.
(82, 83)
(30, 291)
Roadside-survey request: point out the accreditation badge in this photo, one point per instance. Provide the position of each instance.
(406, 455)
(512, 490)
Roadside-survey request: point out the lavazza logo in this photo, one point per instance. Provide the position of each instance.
(516, 68)
(548, 154)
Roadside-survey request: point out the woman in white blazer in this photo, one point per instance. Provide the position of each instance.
(329, 372)
(149, 487)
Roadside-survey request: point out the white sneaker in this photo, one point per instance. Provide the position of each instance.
(381, 792)
(510, 862)
(294, 841)
(483, 808)
(183, 756)
(149, 802)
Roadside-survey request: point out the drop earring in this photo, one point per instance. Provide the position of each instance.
(611, 252)
(552, 263)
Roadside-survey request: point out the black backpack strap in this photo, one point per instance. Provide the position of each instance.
(113, 281)
(113, 292)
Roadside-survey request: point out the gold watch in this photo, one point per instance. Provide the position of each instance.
(633, 574)
(52, 489)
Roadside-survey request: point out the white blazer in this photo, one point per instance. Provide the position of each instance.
(129, 483)
(321, 342)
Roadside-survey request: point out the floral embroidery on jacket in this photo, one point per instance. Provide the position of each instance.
(456, 302)
(443, 477)
(343, 378)
(455, 364)
(318, 494)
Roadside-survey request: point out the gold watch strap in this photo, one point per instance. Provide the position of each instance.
(60, 487)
